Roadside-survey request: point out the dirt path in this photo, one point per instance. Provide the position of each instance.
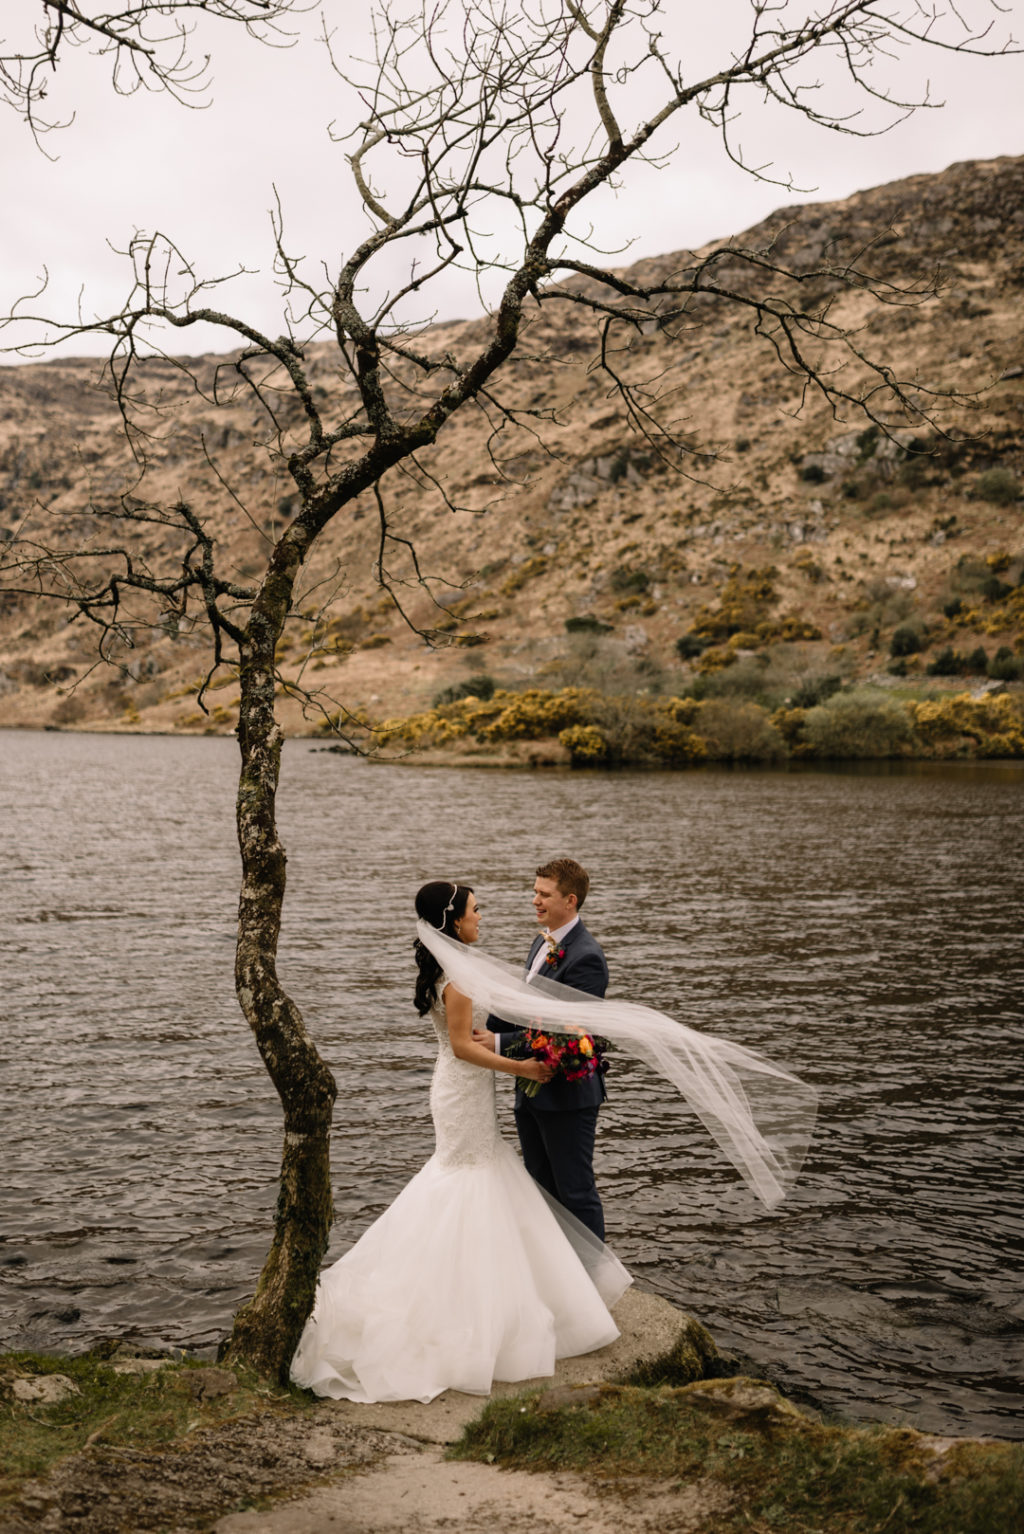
(414, 1488)
(417, 1491)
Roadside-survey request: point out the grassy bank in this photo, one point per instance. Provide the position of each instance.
(774, 1469)
(105, 1402)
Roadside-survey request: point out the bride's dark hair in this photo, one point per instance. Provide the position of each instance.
(441, 903)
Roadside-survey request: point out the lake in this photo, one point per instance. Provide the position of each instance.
(862, 927)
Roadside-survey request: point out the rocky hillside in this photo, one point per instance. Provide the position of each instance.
(795, 550)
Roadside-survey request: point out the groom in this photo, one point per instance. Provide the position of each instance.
(557, 1126)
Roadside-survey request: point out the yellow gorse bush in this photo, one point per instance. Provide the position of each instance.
(598, 729)
(994, 723)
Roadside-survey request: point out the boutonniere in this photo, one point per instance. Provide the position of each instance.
(554, 953)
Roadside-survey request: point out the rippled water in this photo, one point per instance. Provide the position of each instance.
(863, 928)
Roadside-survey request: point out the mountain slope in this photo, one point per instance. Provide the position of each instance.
(793, 542)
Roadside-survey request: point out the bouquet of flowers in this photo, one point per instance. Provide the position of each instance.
(574, 1055)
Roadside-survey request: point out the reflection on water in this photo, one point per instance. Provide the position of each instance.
(862, 928)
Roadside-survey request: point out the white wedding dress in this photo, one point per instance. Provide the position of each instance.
(472, 1275)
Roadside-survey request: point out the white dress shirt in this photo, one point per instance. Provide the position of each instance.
(545, 947)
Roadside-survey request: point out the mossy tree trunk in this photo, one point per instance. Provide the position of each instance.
(267, 1329)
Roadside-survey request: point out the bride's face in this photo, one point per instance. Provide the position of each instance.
(467, 928)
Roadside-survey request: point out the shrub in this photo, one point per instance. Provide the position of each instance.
(988, 726)
(788, 629)
(867, 441)
(790, 724)
(968, 576)
(735, 731)
(481, 686)
(977, 661)
(742, 604)
(619, 466)
(998, 485)
(1005, 666)
(585, 744)
(672, 741)
(814, 690)
(716, 659)
(809, 567)
(533, 714)
(995, 590)
(946, 663)
(587, 623)
(913, 472)
(527, 571)
(906, 640)
(689, 646)
(858, 724)
(627, 580)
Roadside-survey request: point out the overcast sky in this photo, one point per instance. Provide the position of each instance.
(207, 177)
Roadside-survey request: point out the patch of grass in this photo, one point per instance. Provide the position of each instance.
(137, 1411)
(785, 1472)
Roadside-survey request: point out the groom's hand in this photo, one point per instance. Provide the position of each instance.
(483, 1036)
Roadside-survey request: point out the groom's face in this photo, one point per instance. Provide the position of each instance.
(552, 907)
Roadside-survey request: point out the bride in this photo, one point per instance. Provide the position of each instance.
(473, 1274)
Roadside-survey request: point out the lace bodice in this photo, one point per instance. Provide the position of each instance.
(461, 1100)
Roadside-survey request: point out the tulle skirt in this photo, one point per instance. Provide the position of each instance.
(472, 1275)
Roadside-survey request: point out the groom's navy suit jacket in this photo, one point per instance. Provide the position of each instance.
(585, 968)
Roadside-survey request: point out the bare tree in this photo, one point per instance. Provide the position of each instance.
(484, 131)
(148, 44)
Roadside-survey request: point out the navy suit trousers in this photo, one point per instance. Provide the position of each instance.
(558, 1152)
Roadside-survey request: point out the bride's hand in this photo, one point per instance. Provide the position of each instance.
(537, 1070)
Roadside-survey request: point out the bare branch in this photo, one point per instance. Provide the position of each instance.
(148, 45)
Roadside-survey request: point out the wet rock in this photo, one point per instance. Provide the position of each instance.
(207, 1384)
(572, 1395)
(139, 1365)
(691, 1355)
(36, 1499)
(749, 1403)
(43, 1389)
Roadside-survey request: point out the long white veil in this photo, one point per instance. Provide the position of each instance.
(761, 1115)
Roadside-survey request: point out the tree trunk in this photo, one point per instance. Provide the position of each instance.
(267, 1329)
